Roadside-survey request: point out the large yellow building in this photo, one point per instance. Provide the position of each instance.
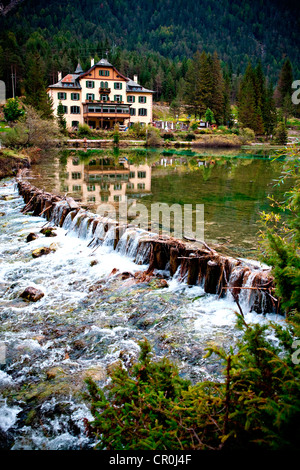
(101, 97)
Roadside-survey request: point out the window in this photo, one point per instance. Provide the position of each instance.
(142, 99)
(141, 174)
(142, 112)
(90, 84)
(76, 175)
(104, 198)
(117, 198)
(75, 123)
(104, 73)
(118, 98)
(75, 96)
(141, 185)
(76, 188)
(117, 187)
(132, 111)
(65, 108)
(90, 96)
(104, 97)
(118, 86)
(91, 199)
(132, 174)
(91, 187)
(130, 186)
(131, 99)
(75, 110)
(61, 95)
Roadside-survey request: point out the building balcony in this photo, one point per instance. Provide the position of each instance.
(104, 90)
(106, 109)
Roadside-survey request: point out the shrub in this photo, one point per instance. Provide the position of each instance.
(246, 135)
(190, 136)
(84, 131)
(153, 138)
(116, 134)
(13, 110)
(256, 406)
(33, 131)
(281, 134)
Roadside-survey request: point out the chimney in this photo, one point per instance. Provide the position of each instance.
(92, 62)
(59, 76)
(135, 78)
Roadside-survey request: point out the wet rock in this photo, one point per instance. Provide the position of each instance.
(93, 262)
(2, 214)
(6, 440)
(31, 236)
(96, 374)
(125, 275)
(54, 372)
(114, 271)
(32, 294)
(44, 250)
(158, 283)
(49, 232)
(40, 252)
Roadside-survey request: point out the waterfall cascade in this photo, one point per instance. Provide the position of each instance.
(226, 276)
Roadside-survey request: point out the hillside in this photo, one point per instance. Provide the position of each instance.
(148, 37)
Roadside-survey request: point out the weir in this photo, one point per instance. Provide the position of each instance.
(190, 261)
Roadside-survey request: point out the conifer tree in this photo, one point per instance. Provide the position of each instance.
(285, 81)
(35, 87)
(217, 98)
(61, 117)
(246, 100)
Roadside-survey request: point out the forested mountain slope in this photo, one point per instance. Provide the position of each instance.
(143, 36)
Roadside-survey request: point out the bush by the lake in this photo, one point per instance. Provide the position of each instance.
(84, 131)
(33, 131)
(153, 138)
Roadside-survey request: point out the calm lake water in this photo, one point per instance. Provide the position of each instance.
(91, 317)
(233, 187)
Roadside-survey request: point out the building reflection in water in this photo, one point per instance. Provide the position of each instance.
(103, 180)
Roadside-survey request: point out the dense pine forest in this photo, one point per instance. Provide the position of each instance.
(156, 40)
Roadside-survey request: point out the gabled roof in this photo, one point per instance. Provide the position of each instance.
(70, 81)
(103, 63)
(132, 87)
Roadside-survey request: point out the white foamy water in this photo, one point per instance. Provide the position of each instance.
(88, 319)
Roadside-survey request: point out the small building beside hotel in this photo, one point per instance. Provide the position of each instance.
(101, 97)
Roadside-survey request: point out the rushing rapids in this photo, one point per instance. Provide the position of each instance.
(197, 266)
(105, 287)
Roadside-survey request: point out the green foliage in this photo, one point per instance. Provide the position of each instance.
(116, 135)
(153, 137)
(209, 116)
(281, 134)
(33, 131)
(281, 238)
(159, 42)
(13, 110)
(61, 117)
(256, 406)
(246, 135)
(84, 130)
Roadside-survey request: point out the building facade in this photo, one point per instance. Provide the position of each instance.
(101, 97)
